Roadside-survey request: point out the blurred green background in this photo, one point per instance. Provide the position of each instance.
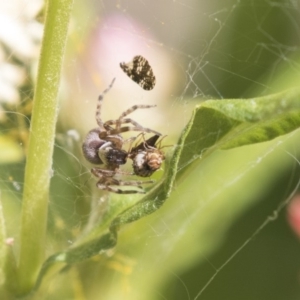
(199, 50)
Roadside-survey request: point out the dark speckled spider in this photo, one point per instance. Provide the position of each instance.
(104, 145)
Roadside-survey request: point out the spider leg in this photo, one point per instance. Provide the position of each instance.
(102, 172)
(135, 183)
(118, 129)
(144, 145)
(133, 108)
(129, 128)
(130, 110)
(99, 105)
(130, 140)
(159, 146)
(124, 172)
(117, 140)
(118, 191)
(108, 124)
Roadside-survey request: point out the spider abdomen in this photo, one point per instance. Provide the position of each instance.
(91, 145)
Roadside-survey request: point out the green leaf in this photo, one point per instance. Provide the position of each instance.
(225, 124)
(205, 202)
(213, 187)
(214, 125)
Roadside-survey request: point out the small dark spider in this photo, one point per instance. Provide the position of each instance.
(140, 71)
(104, 145)
(147, 157)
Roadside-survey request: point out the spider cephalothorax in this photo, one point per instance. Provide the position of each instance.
(146, 157)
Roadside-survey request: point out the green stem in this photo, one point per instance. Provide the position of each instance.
(7, 261)
(40, 150)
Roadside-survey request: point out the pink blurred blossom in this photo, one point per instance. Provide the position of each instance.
(294, 214)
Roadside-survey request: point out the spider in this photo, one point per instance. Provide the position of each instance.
(146, 157)
(104, 145)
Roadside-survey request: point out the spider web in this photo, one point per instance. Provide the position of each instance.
(198, 50)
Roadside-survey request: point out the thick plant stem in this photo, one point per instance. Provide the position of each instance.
(40, 150)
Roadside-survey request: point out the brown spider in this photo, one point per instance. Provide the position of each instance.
(147, 157)
(104, 145)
